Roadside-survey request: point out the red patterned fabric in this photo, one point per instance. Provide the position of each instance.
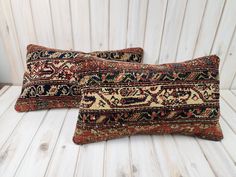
(50, 80)
(122, 99)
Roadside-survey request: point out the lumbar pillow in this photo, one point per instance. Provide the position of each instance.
(50, 79)
(120, 99)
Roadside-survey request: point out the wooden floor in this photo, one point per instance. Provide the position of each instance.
(37, 144)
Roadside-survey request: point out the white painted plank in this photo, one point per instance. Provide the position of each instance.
(14, 149)
(172, 29)
(228, 142)
(60, 10)
(210, 23)
(190, 30)
(9, 38)
(168, 155)
(99, 24)
(225, 31)
(228, 113)
(137, 23)
(42, 21)
(8, 122)
(143, 157)
(4, 89)
(8, 97)
(117, 161)
(63, 161)
(81, 24)
(192, 156)
(229, 66)
(220, 162)
(234, 92)
(42, 146)
(229, 97)
(118, 23)
(24, 25)
(233, 84)
(154, 30)
(90, 161)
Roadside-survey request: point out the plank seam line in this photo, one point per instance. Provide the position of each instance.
(6, 87)
(200, 28)
(52, 24)
(11, 63)
(33, 22)
(53, 150)
(180, 154)
(217, 28)
(77, 161)
(181, 30)
(130, 157)
(71, 26)
(222, 96)
(232, 91)
(12, 130)
(44, 116)
(145, 28)
(8, 107)
(90, 26)
(127, 24)
(108, 25)
(224, 147)
(228, 124)
(231, 84)
(218, 25)
(104, 159)
(227, 50)
(16, 35)
(155, 153)
(205, 156)
(162, 33)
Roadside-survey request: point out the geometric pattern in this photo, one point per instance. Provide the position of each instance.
(120, 99)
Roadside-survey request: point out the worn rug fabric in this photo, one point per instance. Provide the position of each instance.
(122, 99)
(50, 78)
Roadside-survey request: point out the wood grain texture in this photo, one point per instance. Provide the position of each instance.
(225, 31)
(39, 143)
(168, 30)
(99, 11)
(10, 42)
(137, 22)
(37, 159)
(154, 29)
(43, 22)
(172, 30)
(188, 36)
(80, 16)
(118, 23)
(62, 23)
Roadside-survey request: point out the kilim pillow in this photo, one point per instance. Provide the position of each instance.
(50, 81)
(122, 99)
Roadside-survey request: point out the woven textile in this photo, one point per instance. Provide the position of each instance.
(50, 79)
(120, 99)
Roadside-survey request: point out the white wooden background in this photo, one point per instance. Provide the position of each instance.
(168, 30)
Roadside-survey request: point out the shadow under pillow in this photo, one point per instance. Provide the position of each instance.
(122, 99)
(50, 80)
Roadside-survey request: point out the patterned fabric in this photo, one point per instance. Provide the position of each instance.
(120, 99)
(51, 81)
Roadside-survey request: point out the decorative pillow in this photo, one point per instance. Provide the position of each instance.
(50, 80)
(122, 99)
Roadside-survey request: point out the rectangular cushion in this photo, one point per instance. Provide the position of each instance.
(50, 80)
(122, 99)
